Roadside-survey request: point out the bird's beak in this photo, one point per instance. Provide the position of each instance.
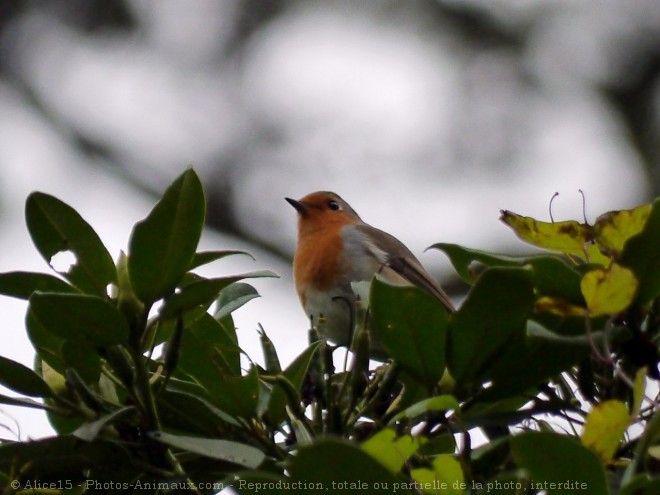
(300, 207)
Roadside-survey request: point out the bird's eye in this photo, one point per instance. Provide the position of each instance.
(333, 205)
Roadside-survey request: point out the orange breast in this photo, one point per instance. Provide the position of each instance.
(317, 261)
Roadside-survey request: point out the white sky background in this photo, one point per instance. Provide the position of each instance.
(425, 134)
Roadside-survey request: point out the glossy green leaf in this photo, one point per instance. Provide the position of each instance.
(553, 276)
(89, 431)
(339, 467)
(426, 406)
(22, 379)
(529, 360)
(204, 292)
(162, 246)
(295, 373)
(224, 450)
(205, 257)
(21, 401)
(22, 284)
(194, 414)
(233, 297)
(271, 359)
(211, 357)
(410, 324)
(493, 314)
(128, 303)
(47, 344)
(538, 331)
(207, 351)
(553, 458)
(77, 316)
(469, 263)
(81, 355)
(55, 227)
(641, 254)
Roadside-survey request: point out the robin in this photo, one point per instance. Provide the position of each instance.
(335, 248)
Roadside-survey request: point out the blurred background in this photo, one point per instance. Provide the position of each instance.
(428, 116)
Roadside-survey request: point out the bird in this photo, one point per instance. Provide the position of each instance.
(335, 248)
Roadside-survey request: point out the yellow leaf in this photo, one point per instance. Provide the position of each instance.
(604, 428)
(608, 291)
(547, 304)
(390, 451)
(569, 237)
(614, 228)
(445, 478)
(54, 380)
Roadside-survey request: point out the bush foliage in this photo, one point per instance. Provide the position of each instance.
(139, 369)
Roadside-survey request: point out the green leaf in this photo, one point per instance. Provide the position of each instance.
(77, 316)
(205, 257)
(80, 355)
(469, 263)
(185, 412)
(47, 344)
(391, 450)
(237, 396)
(20, 401)
(224, 450)
(162, 246)
(641, 254)
(529, 363)
(233, 297)
(208, 351)
(493, 314)
(338, 467)
(553, 458)
(432, 404)
(641, 485)
(211, 357)
(50, 458)
(204, 292)
(411, 325)
(648, 439)
(445, 477)
(22, 379)
(89, 431)
(22, 284)
(295, 373)
(552, 275)
(55, 227)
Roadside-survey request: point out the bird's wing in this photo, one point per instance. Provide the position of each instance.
(394, 254)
